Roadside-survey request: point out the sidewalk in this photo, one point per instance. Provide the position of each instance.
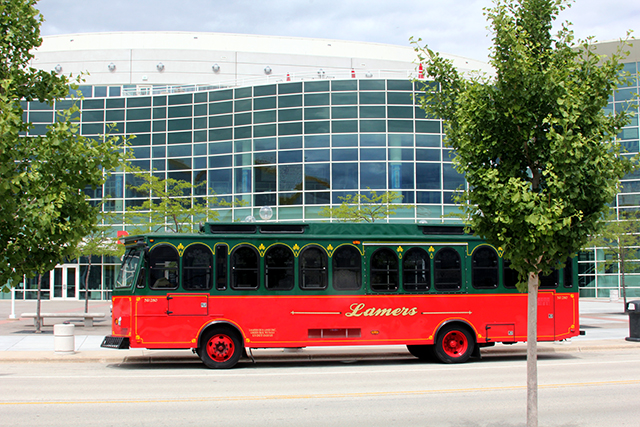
(604, 322)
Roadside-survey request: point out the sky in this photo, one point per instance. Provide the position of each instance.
(451, 26)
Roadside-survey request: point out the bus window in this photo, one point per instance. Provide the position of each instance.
(448, 273)
(509, 275)
(347, 268)
(163, 267)
(197, 266)
(485, 268)
(244, 265)
(384, 270)
(278, 267)
(128, 269)
(416, 266)
(313, 268)
(221, 267)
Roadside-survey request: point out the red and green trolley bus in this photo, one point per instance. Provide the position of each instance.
(238, 286)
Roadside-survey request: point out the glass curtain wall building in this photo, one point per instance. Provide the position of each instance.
(292, 132)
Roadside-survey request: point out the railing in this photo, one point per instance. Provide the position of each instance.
(145, 90)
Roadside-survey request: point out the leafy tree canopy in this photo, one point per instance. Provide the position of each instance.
(537, 149)
(44, 212)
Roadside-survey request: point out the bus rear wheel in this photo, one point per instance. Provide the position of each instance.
(455, 344)
(220, 348)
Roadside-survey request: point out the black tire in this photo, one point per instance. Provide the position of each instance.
(220, 347)
(454, 344)
(422, 352)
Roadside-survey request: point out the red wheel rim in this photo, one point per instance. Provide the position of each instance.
(455, 344)
(220, 348)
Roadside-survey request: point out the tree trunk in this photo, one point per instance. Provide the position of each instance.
(532, 351)
(38, 302)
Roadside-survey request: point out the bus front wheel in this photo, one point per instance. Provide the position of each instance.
(220, 348)
(454, 344)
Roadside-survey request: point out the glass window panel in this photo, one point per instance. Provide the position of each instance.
(345, 98)
(344, 112)
(311, 99)
(344, 126)
(316, 113)
(221, 107)
(264, 116)
(264, 103)
(220, 181)
(139, 114)
(345, 176)
(290, 115)
(290, 128)
(345, 155)
(181, 111)
(294, 156)
(220, 161)
(401, 176)
(317, 176)
(370, 84)
(373, 175)
(428, 176)
(290, 87)
(264, 179)
(289, 101)
(373, 154)
(290, 177)
(373, 126)
(318, 86)
(316, 156)
(451, 179)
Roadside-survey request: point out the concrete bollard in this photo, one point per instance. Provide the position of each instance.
(64, 340)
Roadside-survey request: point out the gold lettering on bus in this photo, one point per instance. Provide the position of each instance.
(360, 309)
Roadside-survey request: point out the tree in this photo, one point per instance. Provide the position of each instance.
(44, 212)
(168, 204)
(362, 208)
(537, 150)
(620, 240)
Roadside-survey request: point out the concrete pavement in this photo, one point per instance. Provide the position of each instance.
(605, 323)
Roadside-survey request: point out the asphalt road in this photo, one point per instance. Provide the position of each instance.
(576, 389)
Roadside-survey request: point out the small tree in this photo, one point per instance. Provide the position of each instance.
(534, 144)
(170, 204)
(620, 240)
(362, 208)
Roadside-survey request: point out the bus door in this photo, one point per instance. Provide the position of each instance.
(546, 315)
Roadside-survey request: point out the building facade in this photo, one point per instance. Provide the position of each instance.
(293, 124)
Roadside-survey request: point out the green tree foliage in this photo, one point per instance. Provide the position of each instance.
(363, 208)
(533, 142)
(620, 241)
(44, 212)
(168, 204)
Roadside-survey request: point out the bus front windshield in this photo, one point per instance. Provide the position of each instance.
(129, 268)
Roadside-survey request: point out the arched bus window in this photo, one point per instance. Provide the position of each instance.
(384, 270)
(244, 266)
(163, 267)
(278, 265)
(484, 273)
(448, 272)
(509, 275)
(416, 270)
(347, 268)
(313, 268)
(197, 268)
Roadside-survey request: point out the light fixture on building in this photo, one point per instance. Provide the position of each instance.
(267, 70)
(160, 66)
(215, 68)
(111, 66)
(58, 68)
